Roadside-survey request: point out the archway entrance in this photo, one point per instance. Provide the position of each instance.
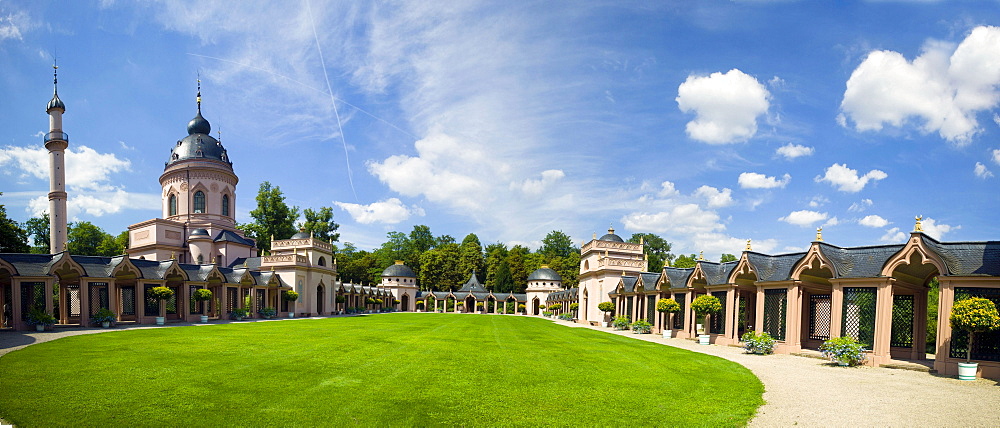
(470, 304)
(404, 303)
(320, 298)
(534, 306)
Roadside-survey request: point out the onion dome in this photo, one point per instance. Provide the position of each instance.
(399, 270)
(55, 102)
(544, 273)
(610, 236)
(199, 144)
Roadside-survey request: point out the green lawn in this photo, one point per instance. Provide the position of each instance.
(393, 369)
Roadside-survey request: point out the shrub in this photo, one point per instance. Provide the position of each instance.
(606, 307)
(479, 306)
(161, 293)
(844, 350)
(642, 327)
(103, 315)
(290, 296)
(370, 300)
(574, 306)
(202, 295)
(38, 316)
(762, 344)
(621, 322)
(667, 305)
(547, 313)
(341, 299)
(239, 313)
(566, 317)
(396, 301)
(521, 308)
(555, 306)
(706, 304)
(974, 315)
(379, 302)
(268, 312)
(541, 306)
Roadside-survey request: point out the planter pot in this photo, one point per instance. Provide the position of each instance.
(159, 320)
(668, 334)
(842, 364)
(39, 327)
(204, 319)
(106, 324)
(291, 315)
(967, 371)
(703, 339)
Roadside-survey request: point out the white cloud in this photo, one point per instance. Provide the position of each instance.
(716, 198)
(753, 180)
(14, 24)
(667, 190)
(86, 169)
(847, 180)
(98, 203)
(996, 156)
(944, 87)
(860, 206)
(981, 171)
(893, 235)
(714, 244)
(804, 218)
(682, 219)
(935, 230)
(537, 187)
(818, 201)
(791, 151)
(833, 221)
(726, 106)
(389, 211)
(873, 221)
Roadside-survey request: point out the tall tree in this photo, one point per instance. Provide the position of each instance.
(503, 282)
(13, 238)
(557, 244)
(517, 259)
(439, 268)
(443, 240)
(113, 245)
(470, 258)
(686, 261)
(496, 254)
(38, 230)
(393, 249)
(84, 238)
(272, 217)
(726, 257)
(320, 223)
(421, 240)
(657, 248)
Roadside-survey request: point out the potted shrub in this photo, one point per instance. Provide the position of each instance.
(974, 315)
(667, 306)
(760, 344)
(239, 313)
(480, 307)
(202, 295)
(703, 306)
(555, 307)
(621, 322)
(40, 319)
(459, 307)
(340, 301)
(606, 307)
(641, 327)
(574, 307)
(290, 296)
(268, 313)
(104, 317)
(522, 309)
(845, 351)
(161, 293)
(420, 305)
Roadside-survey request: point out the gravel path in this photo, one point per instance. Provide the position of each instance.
(812, 392)
(798, 390)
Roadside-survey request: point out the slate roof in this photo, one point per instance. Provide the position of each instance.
(649, 280)
(773, 268)
(94, 266)
(472, 285)
(399, 270)
(858, 262)
(968, 258)
(151, 269)
(544, 274)
(230, 236)
(678, 277)
(717, 273)
(628, 283)
(252, 262)
(30, 264)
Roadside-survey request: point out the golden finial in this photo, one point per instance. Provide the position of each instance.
(595, 235)
(198, 98)
(623, 273)
(819, 234)
(272, 268)
(918, 227)
(605, 253)
(642, 240)
(65, 246)
(701, 255)
(173, 255)
(748, 246)
(272, 237)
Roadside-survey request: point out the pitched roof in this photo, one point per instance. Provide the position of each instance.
(678, 277)
(230, 236)
(649, 280)
(773, 268)
(858, 262)
(717, 273)
(472, 285)
(968, 258)
(30, 264)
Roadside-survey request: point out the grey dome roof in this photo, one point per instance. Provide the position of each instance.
(544, 273)
(55, 102)
(610, 236)
(300, 235)
(199, 144)
(199, 232)
(399, 269)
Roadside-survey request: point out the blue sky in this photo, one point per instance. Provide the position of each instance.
(708, 123)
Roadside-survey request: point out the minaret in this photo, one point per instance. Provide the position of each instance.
(56, 142)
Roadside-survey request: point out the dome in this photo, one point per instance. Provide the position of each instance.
(55, 102)
(199, 125)
(544, 273)
(199, 144)
(301, 234)
(199, 233)
(610, 236)
(399, 269)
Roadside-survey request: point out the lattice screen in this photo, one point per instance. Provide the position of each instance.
(172, 302)
(987, 345)
(128, 300)
(718, 320)
(902, 321)
(859, 314)
(679, 316)
(196, 306)
(73, 294)
(98, 296)
(152, 305)
(820, 314)
(775, 308)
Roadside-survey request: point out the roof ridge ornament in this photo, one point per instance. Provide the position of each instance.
(748, 246)
(819, 234)
(701, 256)
(918, 227)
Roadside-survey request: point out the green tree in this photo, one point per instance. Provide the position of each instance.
(38, 229)
(470, 258)
(421, 240)
(13, 238)
(686, 261)
(726, 257)
(443, 240)
(517, 259)
(85, 239)
(272, 217)
(320, 223)
(655, 247)
(496, 254)
(393, 249)
(557, 244)
(440, 268)
(503, 282)
(111, 246)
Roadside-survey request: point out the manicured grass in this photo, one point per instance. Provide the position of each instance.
(393, 369)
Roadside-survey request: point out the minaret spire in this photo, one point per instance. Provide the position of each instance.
(198, 98)
(56, 142)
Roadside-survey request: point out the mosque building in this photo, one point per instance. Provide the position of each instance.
(877, 294)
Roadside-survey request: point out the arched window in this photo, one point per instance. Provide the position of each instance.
(322, 261)
(199, 202)
(225, 205)
(172, 205)
(201, 259)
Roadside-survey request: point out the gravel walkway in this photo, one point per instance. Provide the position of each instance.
(812, 392)
(798, 390)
